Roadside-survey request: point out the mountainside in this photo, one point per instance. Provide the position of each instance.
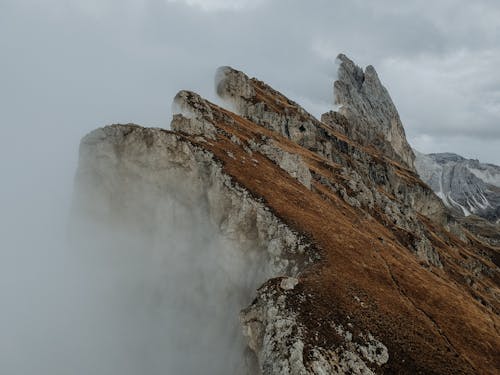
(465, 185)
(360, 267)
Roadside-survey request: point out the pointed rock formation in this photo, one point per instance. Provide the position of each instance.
(373, 179)
(372, 117)
(367, 271)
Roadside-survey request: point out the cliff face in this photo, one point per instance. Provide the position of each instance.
(362, 268)
(466, 186)
(372, 117)
(369, 179)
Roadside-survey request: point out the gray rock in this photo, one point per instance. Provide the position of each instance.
(373, 119)
(135, 180)
(466, 186)
(277, 336)
(291, 163)
(122, 165)
(370, 181)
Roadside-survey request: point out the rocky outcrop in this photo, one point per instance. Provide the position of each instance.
(278, 338)
(370, 180)
(362, 268)
(372, 117)
(132, 179)
(466, 186)
(486, 231)
(116, 160)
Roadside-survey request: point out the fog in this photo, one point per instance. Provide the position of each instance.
(81, 64)
(156, 292)
(107, 306)
(115, 297)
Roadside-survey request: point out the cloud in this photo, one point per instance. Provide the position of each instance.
(454, 93)
(127, 59)
(71, 66)
(218, 5)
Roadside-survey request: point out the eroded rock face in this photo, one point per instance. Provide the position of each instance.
(133, 180)
(369, 182)
(466, 186)
(359, 266)
(278, 337)
(372, 116)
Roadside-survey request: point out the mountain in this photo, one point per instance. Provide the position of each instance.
(372, 117)
(338, 256)
(466, 186)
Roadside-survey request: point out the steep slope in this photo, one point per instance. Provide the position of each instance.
(367, 271)
(370, 180)
(465, 185)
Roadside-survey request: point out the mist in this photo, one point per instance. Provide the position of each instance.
(106, 304)
(155, 289)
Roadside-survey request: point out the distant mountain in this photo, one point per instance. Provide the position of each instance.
(465, 185)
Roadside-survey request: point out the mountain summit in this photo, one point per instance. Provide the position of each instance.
(336, 256)
(372, 117)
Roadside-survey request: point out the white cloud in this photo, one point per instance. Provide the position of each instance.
(217, 5)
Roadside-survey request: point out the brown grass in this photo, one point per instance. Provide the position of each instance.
(430, 320)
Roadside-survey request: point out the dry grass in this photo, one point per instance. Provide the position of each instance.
(430, 319)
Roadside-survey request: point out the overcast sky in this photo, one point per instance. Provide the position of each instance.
(68, 66)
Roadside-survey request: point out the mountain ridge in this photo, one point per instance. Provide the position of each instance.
(466, 186)
(368, 271)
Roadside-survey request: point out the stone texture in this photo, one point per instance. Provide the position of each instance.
(291, 163)
(369, 181)
(466, 186)
(117, 159)
(373, 119)
(365, 270)
(277, 336)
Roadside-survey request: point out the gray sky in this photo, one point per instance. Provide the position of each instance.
(69, 66)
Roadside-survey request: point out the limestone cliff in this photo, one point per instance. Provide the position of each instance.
(362, 268)
(370, 180)
(372, 117)
(466, 186)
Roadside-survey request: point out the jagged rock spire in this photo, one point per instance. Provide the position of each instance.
(358, 280)
(372, 117)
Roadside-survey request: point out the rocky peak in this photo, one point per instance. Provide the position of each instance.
(363, 268)
(229, 81)
(368, 107)
(372, 179)
(445, 157)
